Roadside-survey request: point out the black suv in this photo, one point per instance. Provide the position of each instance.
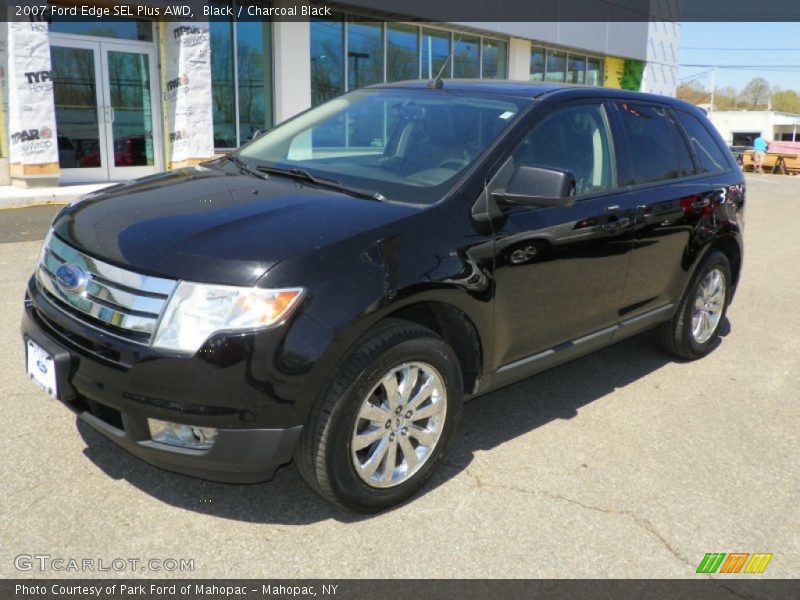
(334, 290)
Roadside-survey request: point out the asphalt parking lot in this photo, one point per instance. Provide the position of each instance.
(621, 464)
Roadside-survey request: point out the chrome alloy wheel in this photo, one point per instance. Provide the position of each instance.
(399, 424)
(708, 305)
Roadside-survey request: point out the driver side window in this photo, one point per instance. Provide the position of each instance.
(574, 138)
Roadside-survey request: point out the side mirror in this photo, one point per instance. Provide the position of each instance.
(538, 186)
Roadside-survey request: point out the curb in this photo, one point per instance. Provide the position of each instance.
(13, 197)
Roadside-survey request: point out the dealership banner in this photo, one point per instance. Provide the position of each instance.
(32, 116)
(187, 92)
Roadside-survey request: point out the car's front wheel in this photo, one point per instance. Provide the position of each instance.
(385, 420)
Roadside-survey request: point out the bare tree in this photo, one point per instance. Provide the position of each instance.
(756, 93)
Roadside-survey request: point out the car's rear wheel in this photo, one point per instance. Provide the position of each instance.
(385, 420)
(694, 328)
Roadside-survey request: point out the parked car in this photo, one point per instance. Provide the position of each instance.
(308, 298)
(128, 151)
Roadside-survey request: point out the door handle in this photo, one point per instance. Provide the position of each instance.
(617, 224)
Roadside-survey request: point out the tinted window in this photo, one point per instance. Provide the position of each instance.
(652, 145)
(684, 154)
(709, 154)
(574, 138)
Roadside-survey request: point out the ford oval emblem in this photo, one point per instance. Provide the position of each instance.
(71, 278)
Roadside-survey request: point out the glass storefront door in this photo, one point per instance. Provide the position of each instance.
(106, 106)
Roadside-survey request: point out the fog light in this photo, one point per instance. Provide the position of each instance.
(185, 436)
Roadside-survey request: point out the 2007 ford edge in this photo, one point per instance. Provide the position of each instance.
(333, 291)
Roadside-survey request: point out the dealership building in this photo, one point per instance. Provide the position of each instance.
(110, 98)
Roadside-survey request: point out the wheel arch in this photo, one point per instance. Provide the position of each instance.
(456, 328)
(728, 245)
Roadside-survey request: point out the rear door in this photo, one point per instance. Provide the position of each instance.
(660, 170)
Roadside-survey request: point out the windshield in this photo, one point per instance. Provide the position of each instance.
(407, 145)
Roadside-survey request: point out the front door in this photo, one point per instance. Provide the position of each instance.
(105, 100)
(560, 271)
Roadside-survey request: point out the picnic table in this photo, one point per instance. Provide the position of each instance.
(785, 162)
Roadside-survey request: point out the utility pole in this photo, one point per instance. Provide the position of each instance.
(713, 87)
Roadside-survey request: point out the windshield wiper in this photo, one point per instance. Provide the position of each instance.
(243, 166)
(333, 184)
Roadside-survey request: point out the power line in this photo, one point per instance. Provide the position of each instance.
(779, 66)
(742, 49)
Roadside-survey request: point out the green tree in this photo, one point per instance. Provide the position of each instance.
(786, 101)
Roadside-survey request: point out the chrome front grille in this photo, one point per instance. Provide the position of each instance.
(122, 302)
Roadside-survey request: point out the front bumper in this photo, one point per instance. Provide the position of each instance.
(116, 398)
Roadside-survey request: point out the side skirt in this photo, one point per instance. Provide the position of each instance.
(558, 355)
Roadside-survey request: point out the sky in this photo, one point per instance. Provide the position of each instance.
(774, 49)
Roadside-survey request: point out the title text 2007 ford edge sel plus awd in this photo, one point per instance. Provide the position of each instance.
(333, 291)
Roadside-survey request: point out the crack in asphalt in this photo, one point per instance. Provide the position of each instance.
(636, 518)
(640, 521)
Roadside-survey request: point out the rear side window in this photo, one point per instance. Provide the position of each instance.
(709, 154)
(652, 142)
(684, 155)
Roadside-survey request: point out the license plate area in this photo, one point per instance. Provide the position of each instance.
(48, 367)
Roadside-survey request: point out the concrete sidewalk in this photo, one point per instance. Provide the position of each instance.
(14, 197)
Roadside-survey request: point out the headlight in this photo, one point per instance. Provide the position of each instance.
(196, 311)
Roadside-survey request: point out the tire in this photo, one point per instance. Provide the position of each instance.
(336, 464)
(679, 336)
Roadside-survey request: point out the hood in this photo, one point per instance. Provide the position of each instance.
(209, 225)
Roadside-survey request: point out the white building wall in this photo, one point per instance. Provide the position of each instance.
(291, 68)
(661, 71)
(519, 59)
(764, 121)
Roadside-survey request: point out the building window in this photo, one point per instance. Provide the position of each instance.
(241, 78)
(254, 70)
(556, 66)
(378, 52)
(435, 50)
(466, 58)
(223, 86)
(327, 60)
(402, 52)
(594, 71)
(537, 64)
(576, 69)
(364, 53)
(494, 59)
(122, 29)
